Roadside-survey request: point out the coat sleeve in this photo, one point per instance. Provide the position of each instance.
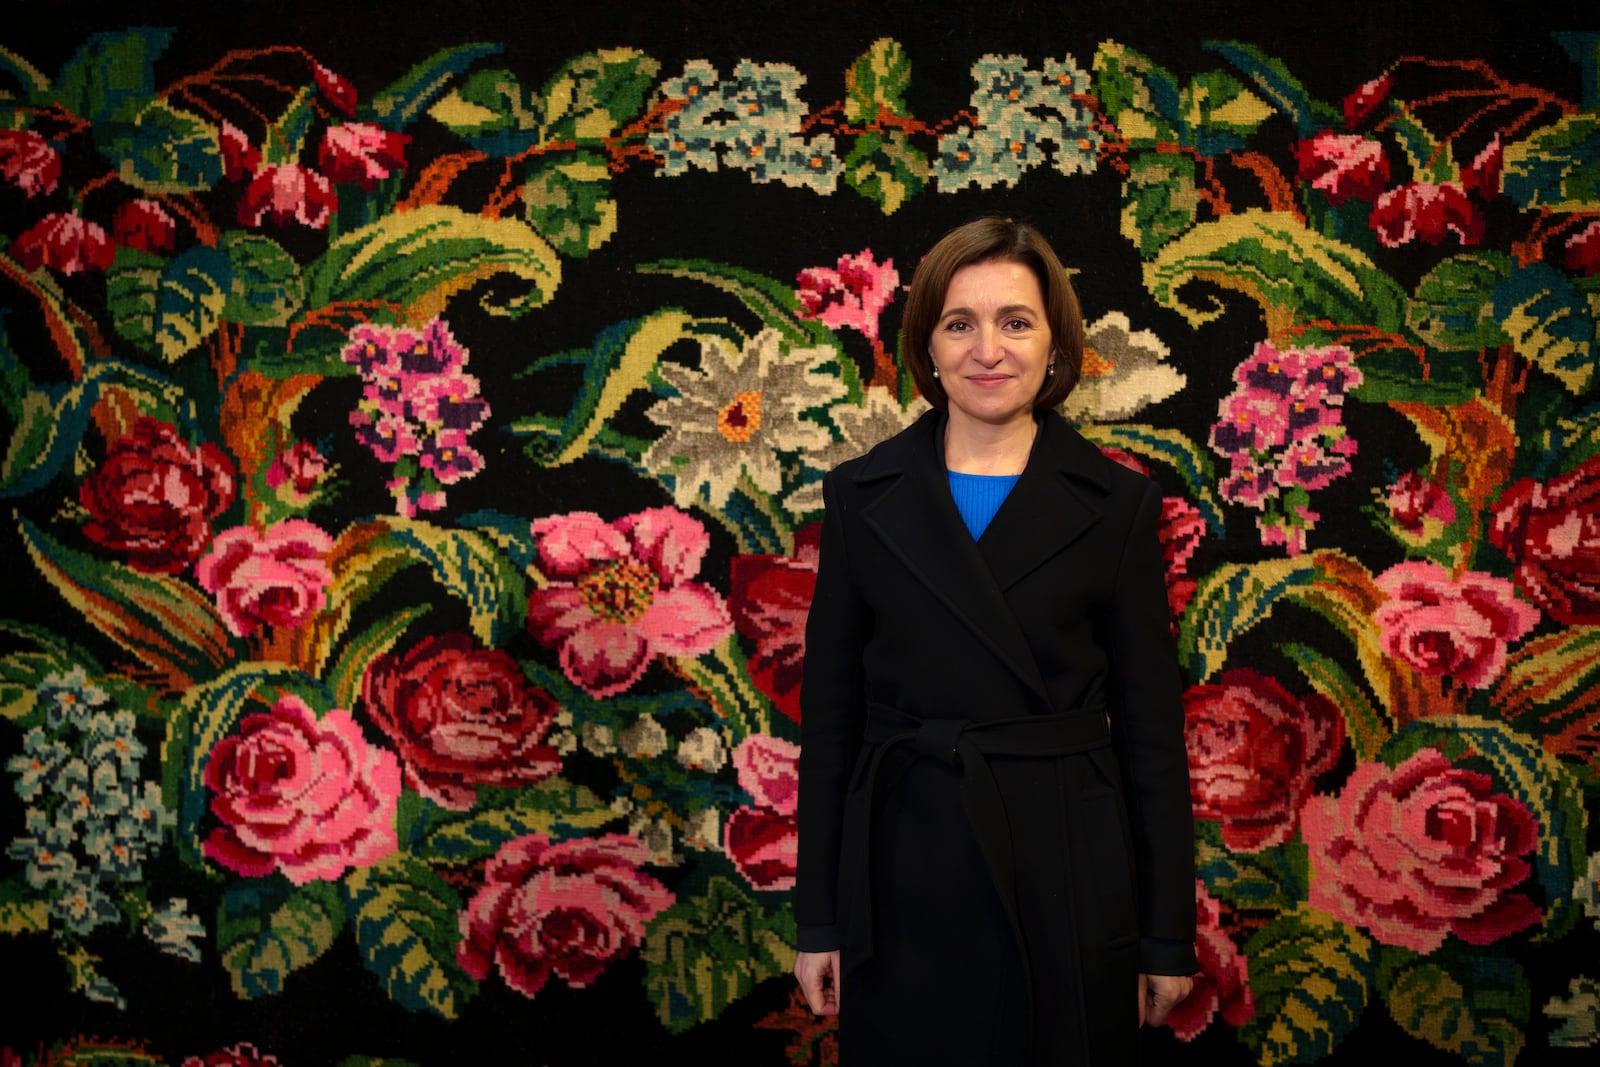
(1147, 728)
(832, 714)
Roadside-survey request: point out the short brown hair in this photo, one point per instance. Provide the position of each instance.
(980, 241)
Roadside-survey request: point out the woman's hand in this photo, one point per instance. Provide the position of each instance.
(818, 973)
(1158, 995)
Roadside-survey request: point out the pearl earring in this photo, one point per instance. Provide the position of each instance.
(936, 372)
(1049, 369)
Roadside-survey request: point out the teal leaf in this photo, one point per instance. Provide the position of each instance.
(1170, 448)
(168, 307)
(1548, 324)
(1139, 97)
(164, 150)
(1275, 879)
(400, 104)
(1557, 167)
(1452, 309)
(405, 920)
(771, 301)
(1475, 1007)
(470, 566)
(595, 95)
(493, 112)
(1274, 81)
(267, 930)
(704, 953)
(112, 77)
(1229, 601)
(265, 286)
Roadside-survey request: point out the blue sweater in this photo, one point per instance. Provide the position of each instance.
(979, 496)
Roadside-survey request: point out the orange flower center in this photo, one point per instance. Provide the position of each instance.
(619, 590)
(739, 421)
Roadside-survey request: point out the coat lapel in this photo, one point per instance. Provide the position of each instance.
(914, 515)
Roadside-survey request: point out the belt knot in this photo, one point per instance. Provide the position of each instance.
(937, 739)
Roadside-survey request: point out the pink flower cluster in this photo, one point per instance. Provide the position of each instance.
(853, 294)
(1281, 430)
(417, 409)
(763, 839)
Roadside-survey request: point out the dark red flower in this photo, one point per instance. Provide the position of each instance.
(1180, 533)
(145, 225)
(763, 844)
(361, 153)
(239, 159)
(1223, 985)
(1365, 100)
(288, 193)
(339, 92)
(65, 242)
(1583, 250)
(461, 716)
(1254, 754)
(1481, 177)
(1343, 166)
(1551, 532)
(1426, 212)
(154, 495)
(243, 1054)
(769, 598)
(28, 160)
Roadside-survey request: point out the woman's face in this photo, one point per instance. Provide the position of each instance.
(991, 344)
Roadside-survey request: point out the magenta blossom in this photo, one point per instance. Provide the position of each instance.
(28, 160)
(1457, 628)
(288, 193)
(301, 795)
(1417, 504)
(853, 294)
(1426, 212)
(1421, 851)
(277, 578)
(300, 468)
(619, 594)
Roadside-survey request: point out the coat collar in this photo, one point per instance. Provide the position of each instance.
(1054, 502)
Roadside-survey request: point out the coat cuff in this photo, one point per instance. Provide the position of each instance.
(817, 938)
(1157, 956)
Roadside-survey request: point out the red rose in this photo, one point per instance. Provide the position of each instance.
(243, 1054)
(1254, 752)
(1343, 166)
(154, 496)
(1426, 212)
(1421, 851)
(1181, 529)
(1551, 531)
(239, 158)
(461, 716)
(567, 909)
(1481, 177)
(1223, 984)
(27, 159)
(763, 844)
(65, 242)
(769, 598)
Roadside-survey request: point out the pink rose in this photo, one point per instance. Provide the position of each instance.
(362, 153)
(65, 242)
(1456, 628)
(1551, 531)
(279, 578)
(1223, 984)
(28, 160)
(288, 193)
(301, 795)
(1343, 166)
(1180, 532)
(461, 716)
(1426, 212)
(1421, 851)
(1254, 754)
(567, 909)
(619, 594)
(764, 845)
(768, 769)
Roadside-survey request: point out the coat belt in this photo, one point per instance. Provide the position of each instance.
(968, 745)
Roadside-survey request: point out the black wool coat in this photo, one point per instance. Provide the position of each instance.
(995, 826)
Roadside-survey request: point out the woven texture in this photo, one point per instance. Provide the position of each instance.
(413, 430)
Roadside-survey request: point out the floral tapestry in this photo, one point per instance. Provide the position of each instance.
(411, 450)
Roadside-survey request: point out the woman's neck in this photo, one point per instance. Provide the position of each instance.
(974, 447)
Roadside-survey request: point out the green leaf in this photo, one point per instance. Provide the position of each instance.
(1276, 878)
(265, 286)
(703, 954)
(1220, 113)
(1160, 200)
(1451, 309)
(112, 77)
(267, 930)
(875, 84)
(1556, 168)
(771, 301)
(406, 930)
(1280, 87)
(164, 150)
(1138, 96)
(1548, 324)
(207, 714)
(471, 567)
(493, 112)
(1530, 775)
(569, 203)
(420, 259)
(1281, 263)
(1170, 448)
(402, 103)
(1366, 726)
(168, 307)
(595, 95)
(1312, 978)
(345, 677)
(1476, 1008)
(1403, 375)
(554, 807)
(163, 621)
(1229, 601)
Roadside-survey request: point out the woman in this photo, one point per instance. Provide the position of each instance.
(996, 854)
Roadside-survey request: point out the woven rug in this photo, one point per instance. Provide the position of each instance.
(414, 418)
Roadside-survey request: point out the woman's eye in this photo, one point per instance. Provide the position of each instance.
(1018, 324)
